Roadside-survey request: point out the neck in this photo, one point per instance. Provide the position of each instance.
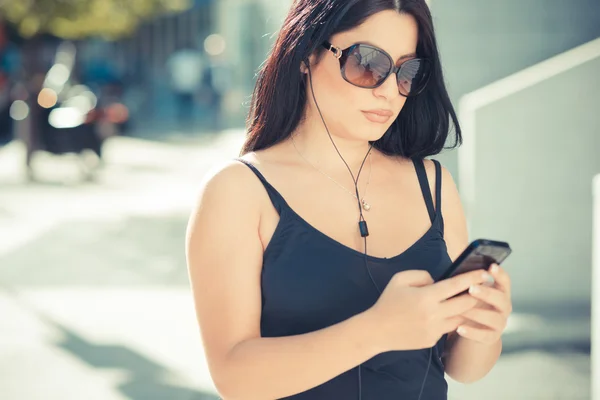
(314, 144)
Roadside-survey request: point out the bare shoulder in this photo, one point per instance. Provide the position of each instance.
(233, 188)
(228, 201)
(227, 179)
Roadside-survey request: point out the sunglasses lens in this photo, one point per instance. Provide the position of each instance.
(413, 76)
(365, 66)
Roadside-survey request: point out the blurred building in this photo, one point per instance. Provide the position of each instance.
(141, 59)
(148, 49)
(482, 41)
(249, 28)
(246, 28)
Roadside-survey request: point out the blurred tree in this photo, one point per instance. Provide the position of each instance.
(78, 19)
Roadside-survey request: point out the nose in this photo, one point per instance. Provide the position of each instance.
(388, 89)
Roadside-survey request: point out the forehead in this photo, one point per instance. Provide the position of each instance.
(396, 33)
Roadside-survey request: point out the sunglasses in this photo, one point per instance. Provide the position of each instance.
(368, 67)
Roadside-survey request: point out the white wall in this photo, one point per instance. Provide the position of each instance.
(595, 359)
(525, 174)
(483, 41)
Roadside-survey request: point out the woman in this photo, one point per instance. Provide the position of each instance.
(291, 303)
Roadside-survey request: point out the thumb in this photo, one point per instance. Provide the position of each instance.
(414, 278)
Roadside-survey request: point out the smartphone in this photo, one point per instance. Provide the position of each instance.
(480, 254)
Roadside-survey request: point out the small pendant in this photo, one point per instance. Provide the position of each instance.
(366, 206)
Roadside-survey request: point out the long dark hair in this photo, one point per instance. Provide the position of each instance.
(279, 97)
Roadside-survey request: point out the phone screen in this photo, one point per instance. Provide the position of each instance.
(474, 261)
(478, 256)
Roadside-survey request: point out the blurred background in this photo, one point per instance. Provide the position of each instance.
(112, 111)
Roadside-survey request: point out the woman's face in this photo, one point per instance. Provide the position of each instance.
(345, 106)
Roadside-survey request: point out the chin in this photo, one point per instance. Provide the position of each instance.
(367, 131)
(374, 133)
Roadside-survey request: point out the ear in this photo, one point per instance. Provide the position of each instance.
(306, 62)
(303, 66)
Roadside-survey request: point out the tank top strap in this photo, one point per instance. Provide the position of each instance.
(438, 185)
(424, 183)
(276, 198)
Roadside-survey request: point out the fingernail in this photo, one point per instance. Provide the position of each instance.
(474, 289)
(489, 278)
(495, 268)
(461, 330)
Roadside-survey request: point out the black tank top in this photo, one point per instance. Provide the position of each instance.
(310, 281)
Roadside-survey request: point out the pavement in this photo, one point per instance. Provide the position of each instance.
(94, 294)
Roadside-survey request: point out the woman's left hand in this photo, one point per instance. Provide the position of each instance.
(488, 319)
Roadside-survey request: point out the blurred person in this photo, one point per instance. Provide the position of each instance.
(216, 82)
(186, 67)
(9, 69)
(6, 122)
(290, 301)
(99, 72)
(31, 136)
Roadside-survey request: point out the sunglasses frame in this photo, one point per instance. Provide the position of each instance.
(339, 53)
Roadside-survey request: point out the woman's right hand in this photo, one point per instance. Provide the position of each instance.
(413, 312)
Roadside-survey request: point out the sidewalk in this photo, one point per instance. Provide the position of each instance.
(94, 298)
(140, 177)
(126, 342)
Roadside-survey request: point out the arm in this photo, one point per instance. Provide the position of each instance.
(224, 255)
(466, 360)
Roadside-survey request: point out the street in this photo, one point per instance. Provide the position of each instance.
(95, 300)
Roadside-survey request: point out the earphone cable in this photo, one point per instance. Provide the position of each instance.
(361, 220)
(335, 147)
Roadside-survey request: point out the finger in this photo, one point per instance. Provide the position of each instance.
(457, 305)
(482, 304)
(481, 335)
(492, 296)
(469, 323)
(501, 277)
(459, 283)
(452, 324)
(487, 318)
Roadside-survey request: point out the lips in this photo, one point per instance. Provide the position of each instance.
(378, 116)
(380, 112)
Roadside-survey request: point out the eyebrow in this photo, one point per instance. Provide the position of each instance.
(405, 56)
